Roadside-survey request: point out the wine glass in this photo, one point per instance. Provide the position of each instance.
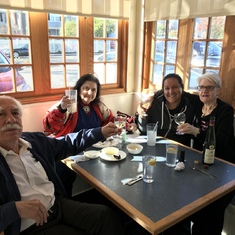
(179, 118)
(146, 100)
(120, 121)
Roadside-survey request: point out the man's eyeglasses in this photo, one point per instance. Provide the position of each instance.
(207, 88)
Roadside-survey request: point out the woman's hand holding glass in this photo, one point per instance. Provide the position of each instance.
(179, 119)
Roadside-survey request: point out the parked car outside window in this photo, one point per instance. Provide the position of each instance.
(18, 51)
(6, 77)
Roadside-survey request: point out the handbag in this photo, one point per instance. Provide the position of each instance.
(129, 119)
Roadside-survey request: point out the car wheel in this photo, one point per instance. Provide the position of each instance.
(16, 54)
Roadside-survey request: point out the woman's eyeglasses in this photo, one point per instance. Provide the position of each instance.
(207, 88)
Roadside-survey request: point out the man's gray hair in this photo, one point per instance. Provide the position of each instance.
(19, 105)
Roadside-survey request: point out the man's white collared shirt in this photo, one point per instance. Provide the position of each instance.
(30, 177)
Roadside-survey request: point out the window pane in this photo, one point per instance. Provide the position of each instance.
(200, 28)
(171, 49)
(26, 73)
(57, 76)
(4, 29)
(99, 46)
(19, 23)
(161, 29)
(54, 25)
(169, 69)
(98, 28)
(157, 75)
(72, 74)
(111, 28)
(72, 48)
(111, 73)
(71, 26)
(197, 56)
(194, 74)
(56, 49)
(217, 27)
(21, 51)
(159, 57)
(173, 29)
(213, 54)
(99, 70)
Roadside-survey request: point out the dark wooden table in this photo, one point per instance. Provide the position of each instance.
(172, 196)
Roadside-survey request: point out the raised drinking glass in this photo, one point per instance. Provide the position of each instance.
(179, 118)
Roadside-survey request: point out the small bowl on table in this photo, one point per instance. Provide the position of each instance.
(134, 148)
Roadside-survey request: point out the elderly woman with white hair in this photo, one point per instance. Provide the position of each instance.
(210, 219)
(209, 86)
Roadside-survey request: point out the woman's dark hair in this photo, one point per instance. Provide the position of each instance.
(84, 78)
(173, 75)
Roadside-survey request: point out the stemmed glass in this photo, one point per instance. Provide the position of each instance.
(179, 118)
(120, 123)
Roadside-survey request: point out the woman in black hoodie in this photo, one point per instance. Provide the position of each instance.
(167, 102)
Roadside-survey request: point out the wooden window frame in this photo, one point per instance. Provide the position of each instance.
(38, 23)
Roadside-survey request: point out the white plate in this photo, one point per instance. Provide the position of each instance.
(107, 143)
(107, 158)
(92, 154)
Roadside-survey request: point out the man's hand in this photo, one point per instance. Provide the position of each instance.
(110, 129)
(32, 209)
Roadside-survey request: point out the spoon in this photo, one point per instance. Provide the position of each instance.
(204, 172)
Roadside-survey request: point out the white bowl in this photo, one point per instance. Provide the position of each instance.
(91, 154)
(110, 151)
(134, 148)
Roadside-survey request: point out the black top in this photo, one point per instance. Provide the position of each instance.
(224, 130)
(158, 112)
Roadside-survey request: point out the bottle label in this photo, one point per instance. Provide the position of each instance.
(209, 155)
